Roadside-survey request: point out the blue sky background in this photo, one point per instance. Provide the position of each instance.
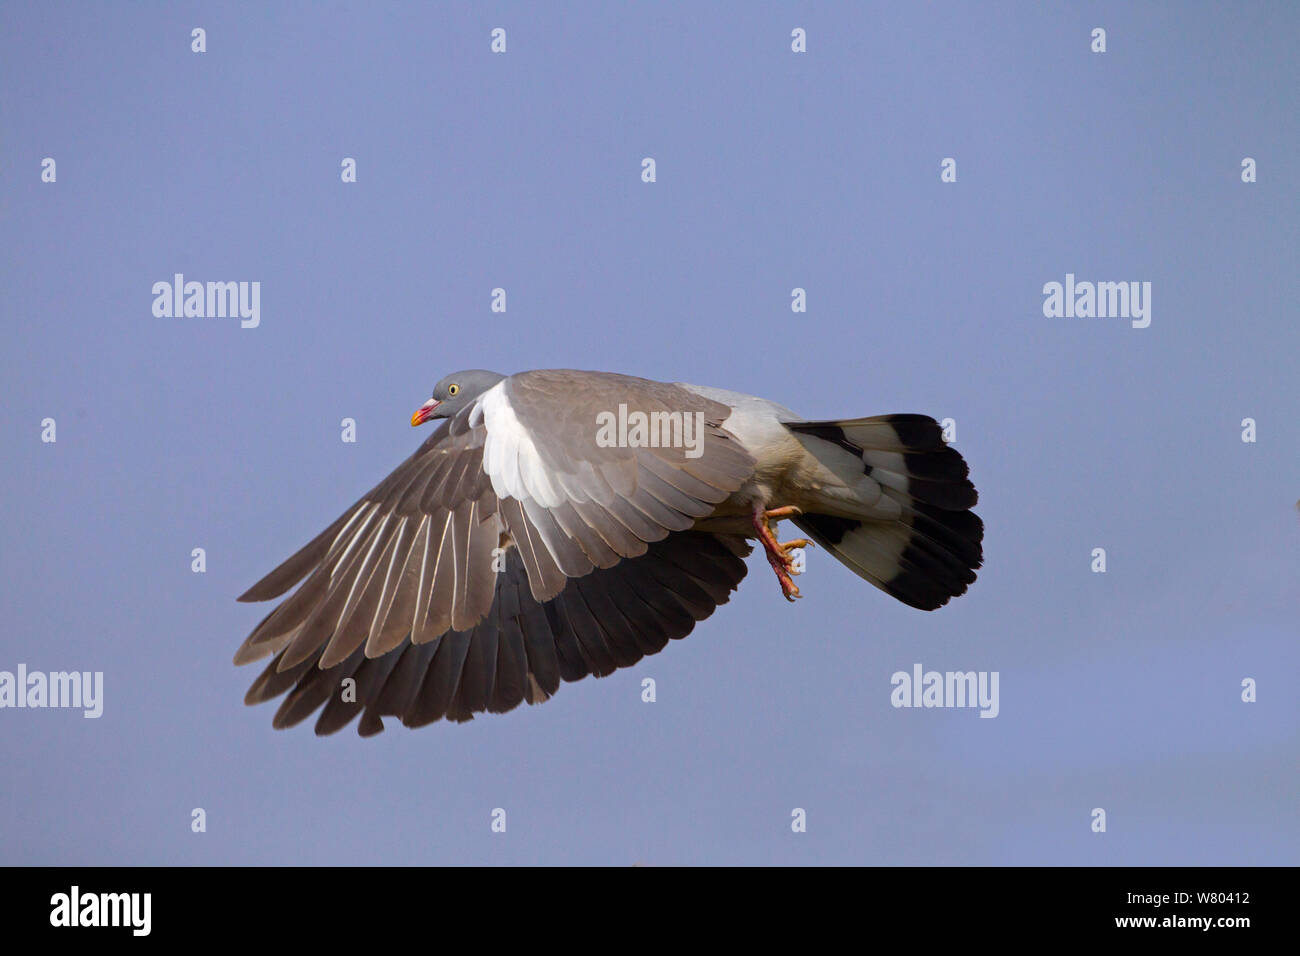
(775, 170)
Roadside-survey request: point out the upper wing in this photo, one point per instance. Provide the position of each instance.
(519, 477)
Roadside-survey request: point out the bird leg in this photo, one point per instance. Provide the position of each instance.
(778, 555)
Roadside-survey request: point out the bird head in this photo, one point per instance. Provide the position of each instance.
(455, 392)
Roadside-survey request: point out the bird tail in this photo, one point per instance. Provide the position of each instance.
(929, 554)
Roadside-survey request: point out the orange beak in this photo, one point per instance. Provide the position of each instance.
(423, 413)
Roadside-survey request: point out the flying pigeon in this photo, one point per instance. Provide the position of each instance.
(562, 523)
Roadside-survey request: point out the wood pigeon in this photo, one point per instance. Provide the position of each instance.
(561, 523)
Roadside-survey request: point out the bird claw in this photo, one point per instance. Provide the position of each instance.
(790, 546)
(789, 511)
(778, 555)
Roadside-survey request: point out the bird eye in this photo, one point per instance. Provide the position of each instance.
(453, 389)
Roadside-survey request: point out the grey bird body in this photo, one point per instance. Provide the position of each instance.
(528, 540)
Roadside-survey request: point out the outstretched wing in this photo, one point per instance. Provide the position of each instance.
(506, 505)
